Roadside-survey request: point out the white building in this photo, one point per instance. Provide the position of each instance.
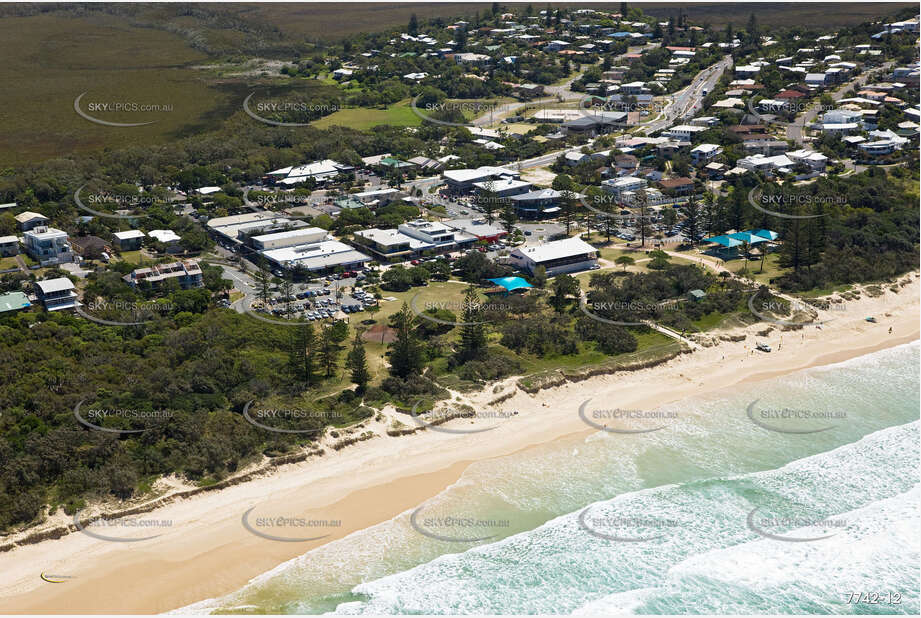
(704, 152)
(557, 257)
(129, 240)
(684, 132)
(815, 160)
(762, 163)
(48, 246)
(289, 238)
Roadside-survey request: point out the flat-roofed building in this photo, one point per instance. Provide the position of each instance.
(48, 246)
(477, 228)
(289, 238)
(389, 245)
(56, 294)
(318, 257)
(557, 257)
(504, 187)
(129, 240)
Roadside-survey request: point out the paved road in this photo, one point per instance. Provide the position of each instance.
(687, 101)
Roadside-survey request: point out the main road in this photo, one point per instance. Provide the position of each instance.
(687, 100)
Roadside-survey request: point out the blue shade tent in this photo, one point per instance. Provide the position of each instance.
(766, 234)
(724, 240)
(748, 238)
(511, 283)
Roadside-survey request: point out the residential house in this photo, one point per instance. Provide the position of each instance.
(186, 274)
(48, 246)
(56, 294)
(129, 240)
(29, 220)
(9, 246)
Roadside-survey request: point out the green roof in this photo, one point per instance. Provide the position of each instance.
(13, 302)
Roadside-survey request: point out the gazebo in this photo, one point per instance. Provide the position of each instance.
(509, 284)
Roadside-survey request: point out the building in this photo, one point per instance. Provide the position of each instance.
(463, 180)
(684, 132)
(186, 274)
(48, 246)
(28, 220)
(289, 238)
(537, 204)
(167, 237)
(236, 228)
(318, 257)
(677, 186)
(598, 123)
(618, 187)
(815, 160)
(9, 245)
(557, 257)
(478, 229)
(439, 236)
(762, 163)
(56, 294)
(502, 188)
(389, 245)
(319, 171)
(129, 240)
(13, 301)
(703, 153)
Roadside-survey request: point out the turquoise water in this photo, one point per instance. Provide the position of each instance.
(681, 496)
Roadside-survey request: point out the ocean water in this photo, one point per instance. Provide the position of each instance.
(714, 513)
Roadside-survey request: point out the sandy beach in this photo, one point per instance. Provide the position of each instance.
(206, 551)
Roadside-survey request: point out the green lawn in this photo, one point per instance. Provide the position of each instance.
(8, 262)
(132, 257)
(771, 268)
(362, 118)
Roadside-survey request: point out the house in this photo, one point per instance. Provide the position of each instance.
(186, 274)
(9, 246)
(677, 186)
(48, 246)
(129, 240)
(427, 164)
(477, 60)
(705, 152)
(762, 163)
(683, 131)
(715, 171)
(56, 294)
(378, 197)
(816, 80)
(815, 160)
(90, 247)
(557, 257)
(167, 237)
(765, 146)
(319, 171)
(29, 220)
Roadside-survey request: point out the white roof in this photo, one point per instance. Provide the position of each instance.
(289, 234)
(208, 190)
(7, 239)
(705, 148)
(388, 238)
(318, 255)
(555, 250)
(484, 172)
(129, 234)
(55, 285)
(28, 215)
(501, 185)
(164, 235)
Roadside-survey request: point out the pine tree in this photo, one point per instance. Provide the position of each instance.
(473, 334)
(357, 363)
(692, 223)
(405, 351)
(413, 27)
(328, 352)
(302, 355)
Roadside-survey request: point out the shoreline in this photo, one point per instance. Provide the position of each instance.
(207, 553)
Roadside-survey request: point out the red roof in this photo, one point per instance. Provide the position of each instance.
(790, 94)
